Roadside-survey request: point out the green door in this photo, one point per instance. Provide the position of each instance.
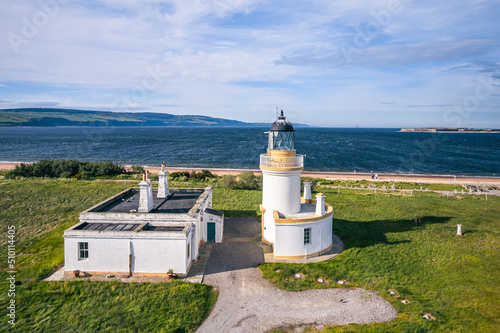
(210, 232)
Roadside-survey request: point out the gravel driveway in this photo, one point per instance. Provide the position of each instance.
(248, 303)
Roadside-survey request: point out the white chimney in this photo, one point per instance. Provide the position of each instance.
(150, 188)
(320, 204)
(163, 191)
(307, 191)
(145, 195)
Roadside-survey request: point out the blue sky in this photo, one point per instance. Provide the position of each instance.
(373, 63)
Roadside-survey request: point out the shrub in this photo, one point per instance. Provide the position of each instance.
(248, 181)
(179, 175)
(207, 174)
(229, 182)
(137, 169)
(66, 169)
(66, 174)
(193, 175)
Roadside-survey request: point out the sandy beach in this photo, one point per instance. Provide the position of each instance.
(382, 177)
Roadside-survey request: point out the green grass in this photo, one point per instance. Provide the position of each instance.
(397, 185)
(453, 278)
(41, 210)
(237, 202)
(82, 306)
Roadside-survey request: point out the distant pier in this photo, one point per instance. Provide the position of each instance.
(450, 130)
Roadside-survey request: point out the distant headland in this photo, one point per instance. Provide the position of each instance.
(54, 117)
(450, 130)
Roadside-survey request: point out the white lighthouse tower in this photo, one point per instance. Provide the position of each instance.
(296, 227)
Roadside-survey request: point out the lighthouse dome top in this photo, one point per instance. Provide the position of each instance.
(282, 125)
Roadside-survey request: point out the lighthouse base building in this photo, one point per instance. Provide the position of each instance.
(296, 227)
(142, 231)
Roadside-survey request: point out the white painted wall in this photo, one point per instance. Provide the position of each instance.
(281, 192)
(159, 255)
(290, 238)
(149, 255)
(104, 255)
(219, 225)
(154, 252)
(269, 226)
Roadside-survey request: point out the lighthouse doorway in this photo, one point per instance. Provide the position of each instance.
(210, 232)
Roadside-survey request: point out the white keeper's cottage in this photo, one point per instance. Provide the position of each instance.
(142, 231)
(297, 228)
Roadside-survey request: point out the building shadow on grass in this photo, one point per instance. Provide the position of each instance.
(237, 253)
(369, 233)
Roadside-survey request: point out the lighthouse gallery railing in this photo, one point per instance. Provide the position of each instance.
(269, 161)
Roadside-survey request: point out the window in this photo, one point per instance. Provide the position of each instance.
(188, 254)
(307, 236)
(83, 250)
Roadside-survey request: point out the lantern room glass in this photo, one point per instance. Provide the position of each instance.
(281, 141)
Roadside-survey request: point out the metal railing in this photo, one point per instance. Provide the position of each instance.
(277, 162)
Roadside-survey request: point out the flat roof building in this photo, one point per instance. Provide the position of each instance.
(140, 232)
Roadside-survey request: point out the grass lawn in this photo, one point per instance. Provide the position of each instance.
(397, 185)
(453, 278)
(41, 210)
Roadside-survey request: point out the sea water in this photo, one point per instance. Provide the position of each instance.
(325, 149)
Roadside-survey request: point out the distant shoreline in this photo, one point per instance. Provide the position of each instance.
(448, 130)
(382, 177)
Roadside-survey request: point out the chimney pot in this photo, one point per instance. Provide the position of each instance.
(320, 204)
(307, 191)
(146, 203)
(163, 191)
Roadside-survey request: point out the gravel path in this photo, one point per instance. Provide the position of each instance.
(248, 303)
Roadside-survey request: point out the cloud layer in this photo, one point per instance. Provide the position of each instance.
(332, 63)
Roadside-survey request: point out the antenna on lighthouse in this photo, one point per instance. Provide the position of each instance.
(277, 112)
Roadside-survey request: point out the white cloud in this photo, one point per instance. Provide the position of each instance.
(216, 56)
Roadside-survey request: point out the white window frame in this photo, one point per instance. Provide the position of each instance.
(307, 236)
(83, 250)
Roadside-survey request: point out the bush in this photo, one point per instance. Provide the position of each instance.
(179, 175)
(66, 169)
(246, 181)
(137, 169)
(205, 174)
(66, 174)
(249, 181)
(229, 182)
(193, 175)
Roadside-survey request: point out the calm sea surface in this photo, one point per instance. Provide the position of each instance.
(326, 149)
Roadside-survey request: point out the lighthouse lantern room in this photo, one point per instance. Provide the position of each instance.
(291, 224)
(281, 135)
